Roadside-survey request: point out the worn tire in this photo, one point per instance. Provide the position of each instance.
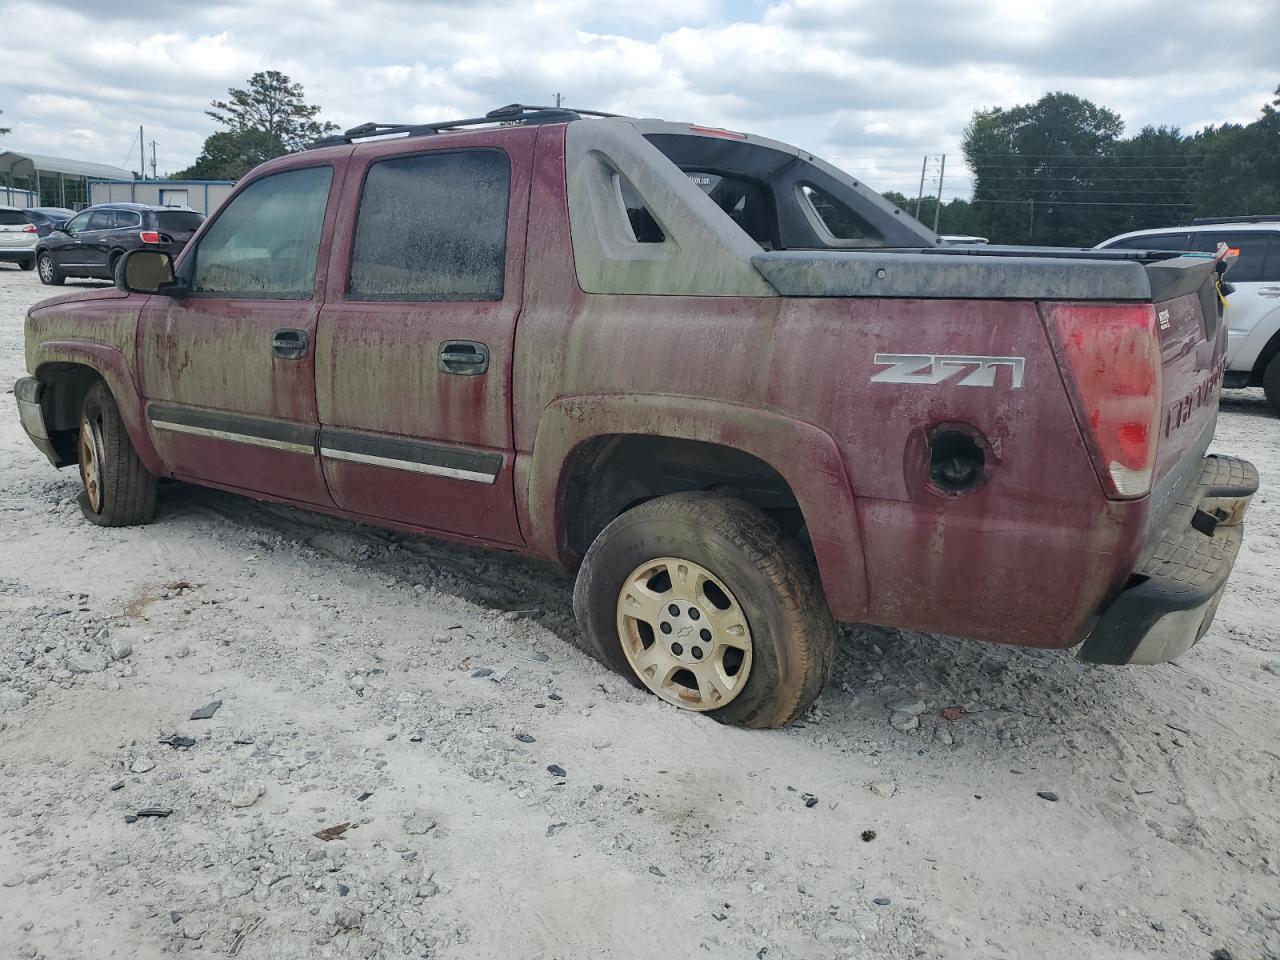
(774, 581)
(125, 492)
(1271, 383)
(50, 275)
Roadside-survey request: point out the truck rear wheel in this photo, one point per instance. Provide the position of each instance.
(118, 490)
(1271, 383)
(702, 600)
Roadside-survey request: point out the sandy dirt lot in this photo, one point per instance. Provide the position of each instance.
(549, 810)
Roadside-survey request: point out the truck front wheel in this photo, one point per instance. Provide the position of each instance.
(118, 490)
(702, 600)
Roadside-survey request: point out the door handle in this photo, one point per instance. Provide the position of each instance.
(465, 358)
(1269, 291)
(289, 344)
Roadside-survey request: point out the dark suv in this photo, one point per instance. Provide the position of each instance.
(90, 244)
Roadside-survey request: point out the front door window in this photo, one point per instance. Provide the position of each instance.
(263, 246)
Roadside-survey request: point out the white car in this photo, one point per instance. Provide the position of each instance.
(18, 237)
(1253, 310)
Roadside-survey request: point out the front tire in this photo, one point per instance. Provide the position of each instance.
(118, 490)
(1271, 383)
(50, 275)
(702, 600)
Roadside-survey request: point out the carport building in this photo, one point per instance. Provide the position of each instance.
(31, 179)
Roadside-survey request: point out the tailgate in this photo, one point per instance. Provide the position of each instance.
(1193, 345)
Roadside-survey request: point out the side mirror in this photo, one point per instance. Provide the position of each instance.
(147, 271)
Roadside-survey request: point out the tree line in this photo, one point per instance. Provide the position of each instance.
(1059, 172)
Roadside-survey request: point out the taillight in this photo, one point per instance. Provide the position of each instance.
(149, 236)
(1113, 355)
(30, 228)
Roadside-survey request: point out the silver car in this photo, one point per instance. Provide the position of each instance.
(18, 237)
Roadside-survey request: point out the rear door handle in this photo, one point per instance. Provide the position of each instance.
(289, 344)
(1269, 291)
(465, 358)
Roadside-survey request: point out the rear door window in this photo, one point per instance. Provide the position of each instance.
(125, 220)
(264, 243)
(432, 227)
(100, 220)
(1259, 255)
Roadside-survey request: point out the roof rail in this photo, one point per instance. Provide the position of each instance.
(1262, 218)
(511, 114)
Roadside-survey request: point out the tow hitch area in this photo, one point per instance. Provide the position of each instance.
(1173, 596)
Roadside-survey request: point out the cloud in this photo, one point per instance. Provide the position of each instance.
(871, 84)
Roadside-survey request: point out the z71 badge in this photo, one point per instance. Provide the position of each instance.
(923, 368)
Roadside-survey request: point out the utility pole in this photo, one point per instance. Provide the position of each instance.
(153, 162)
(1031, 218)
(920, 194)
(937, 209)
(558, 99)
(142, 155)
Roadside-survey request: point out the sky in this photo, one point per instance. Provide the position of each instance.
(871, 85)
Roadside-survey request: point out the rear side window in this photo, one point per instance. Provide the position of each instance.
(1259, 259)
(125, 219)
(1158, 241)
(841, 222)
(265, 241)
(643, 225)
(178, 220)
(12, 218)
(101, 220)
(432, 227)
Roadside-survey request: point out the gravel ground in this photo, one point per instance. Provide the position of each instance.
(548, 810)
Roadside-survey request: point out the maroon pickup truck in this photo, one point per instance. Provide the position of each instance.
(739, 392)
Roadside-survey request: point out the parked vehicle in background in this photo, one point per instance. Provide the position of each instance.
(1253, 309)
(737, 390)
(46, 218)
(18, 238)
(92, 242)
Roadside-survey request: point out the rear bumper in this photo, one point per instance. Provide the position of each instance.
(29, 392)
(1172, 597)
(17, 254)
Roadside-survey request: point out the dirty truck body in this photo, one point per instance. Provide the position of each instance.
(996, 443)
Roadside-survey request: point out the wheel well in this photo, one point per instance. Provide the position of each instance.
(1268, 353)
(66, 385)
(608, 475)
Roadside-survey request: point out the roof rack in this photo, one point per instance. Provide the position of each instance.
(512, 113)
(1205, 221)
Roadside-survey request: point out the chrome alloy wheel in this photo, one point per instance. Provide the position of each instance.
(684, 633)
(91, 462)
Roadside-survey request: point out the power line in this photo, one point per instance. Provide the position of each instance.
(130, 153)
